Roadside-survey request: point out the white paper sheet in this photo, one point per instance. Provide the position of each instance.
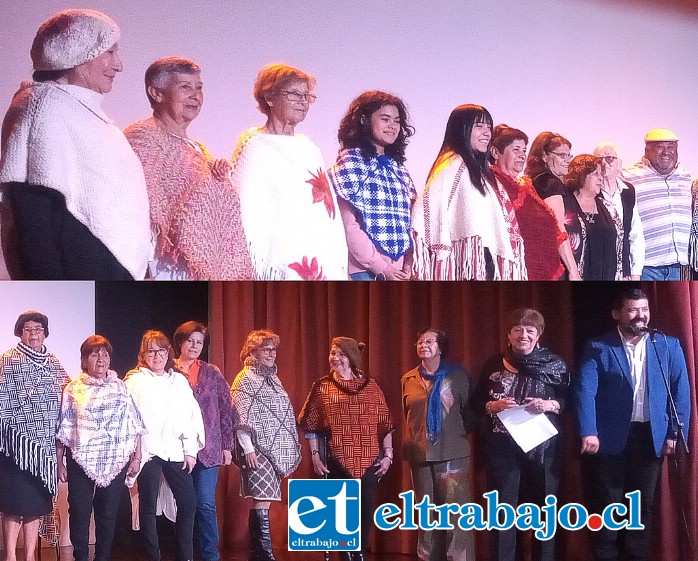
(527, 429)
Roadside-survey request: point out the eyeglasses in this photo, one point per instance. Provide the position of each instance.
(609, 159)
(562, 155)
(159, 352)
(267, 350)
(295, 95)
(33, 330)
(429, 342)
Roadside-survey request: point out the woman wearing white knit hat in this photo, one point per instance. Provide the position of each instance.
(75, 187)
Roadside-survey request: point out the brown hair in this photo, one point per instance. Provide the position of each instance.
(255, 339)
(273, 78)
(161, 340)
(525, 316)
(545, 142)
(90, 345)
(183, 333)
(580, 167)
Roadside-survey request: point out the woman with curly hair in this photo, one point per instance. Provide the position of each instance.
(463, 224)
(375, 192)
(590, 226)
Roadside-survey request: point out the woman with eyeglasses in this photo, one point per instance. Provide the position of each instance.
(31, 383)
(592, 230)
(175, 435)
(289, 210)
(437, 415)
(95, 404)
(267, 447)
(212, 393)
(546, 167)
(374, 189)
(464, 226)
(349, 429)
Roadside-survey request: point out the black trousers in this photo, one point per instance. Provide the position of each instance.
(610, 477)
(83, 497)
(506, 464)
(182, 486)
(369, 488)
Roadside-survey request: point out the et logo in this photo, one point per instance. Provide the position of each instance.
(324, 514)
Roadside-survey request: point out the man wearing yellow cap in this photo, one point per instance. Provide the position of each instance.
(664, 200)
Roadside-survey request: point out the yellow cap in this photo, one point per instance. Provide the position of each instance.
(661, 135)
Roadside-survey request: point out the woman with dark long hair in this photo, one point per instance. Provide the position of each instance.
(464, 225)
(375, 192)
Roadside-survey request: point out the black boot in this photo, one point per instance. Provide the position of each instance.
(260, 536)
(357, 556)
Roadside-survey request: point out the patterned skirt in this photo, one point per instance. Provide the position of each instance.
(261, 484)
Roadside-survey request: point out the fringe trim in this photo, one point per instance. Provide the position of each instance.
(29, 456)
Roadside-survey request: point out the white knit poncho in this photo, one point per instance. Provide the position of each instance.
(56, 136)
(289, 210)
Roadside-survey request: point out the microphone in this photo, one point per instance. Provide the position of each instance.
(651, 330)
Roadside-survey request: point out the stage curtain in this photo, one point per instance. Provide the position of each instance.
(387, 317)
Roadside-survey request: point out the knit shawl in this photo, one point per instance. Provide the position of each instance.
(354, 414)
(194, 214)
(289, 210)
(100, 423)
(171, 415)
(539, 228)
(382, 192)
(57, 136)
(453, 224)
(262, 409)
(30, 396)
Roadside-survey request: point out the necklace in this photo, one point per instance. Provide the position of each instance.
(589, 216)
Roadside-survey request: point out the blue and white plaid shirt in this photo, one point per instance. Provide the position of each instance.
(382, 191)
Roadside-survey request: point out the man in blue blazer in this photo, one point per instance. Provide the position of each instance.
(623, 412)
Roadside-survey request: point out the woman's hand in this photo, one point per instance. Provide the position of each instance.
(134, 465)
(393, 274)
(384, 465)
(227, 457)
(62, 472)
(501, 404)
(318, 467)
(537, 405)
(251, 460)
(189, 463)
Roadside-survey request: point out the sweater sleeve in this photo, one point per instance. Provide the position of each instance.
(225, 409)
(360, 246)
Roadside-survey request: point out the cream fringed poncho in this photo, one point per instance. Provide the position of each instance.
(56, 136)
(194, 212)
(289, 210)
(453, 224)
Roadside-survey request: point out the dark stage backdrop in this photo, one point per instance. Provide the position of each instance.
(387, 316)
(126, 310)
